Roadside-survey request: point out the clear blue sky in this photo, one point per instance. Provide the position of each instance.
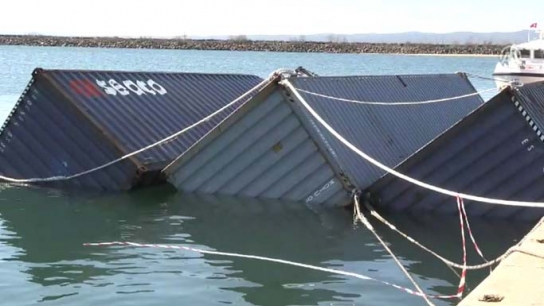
(294, 17)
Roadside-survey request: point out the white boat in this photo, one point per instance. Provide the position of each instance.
(521, 63)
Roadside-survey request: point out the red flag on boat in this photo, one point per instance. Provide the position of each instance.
(533, 25)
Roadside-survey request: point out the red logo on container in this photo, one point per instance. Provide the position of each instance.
(85, 88)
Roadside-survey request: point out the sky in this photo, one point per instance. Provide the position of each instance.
(170, 18)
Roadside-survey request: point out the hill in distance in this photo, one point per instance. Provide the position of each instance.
(405, 37)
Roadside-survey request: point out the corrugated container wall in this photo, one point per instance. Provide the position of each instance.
(495, 152)
(531, 97)
(68, 121)
(261, 151)
(389, 133)
(272, 148)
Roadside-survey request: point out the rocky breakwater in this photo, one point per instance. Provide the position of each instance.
(249, 45)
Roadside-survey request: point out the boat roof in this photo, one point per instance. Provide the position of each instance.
(533, 44)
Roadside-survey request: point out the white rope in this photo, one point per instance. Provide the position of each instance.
(262, 258)
(398, 174)
(201, 121)
(441, 258)
(395, 103)
(269, 259)
(359, 216)
(509, 82)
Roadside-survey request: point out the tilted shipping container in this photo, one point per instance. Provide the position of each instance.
(496, 152)
(69, 121)
(271, 147)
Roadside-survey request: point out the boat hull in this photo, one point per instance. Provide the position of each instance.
(505, 74)
(503, 79)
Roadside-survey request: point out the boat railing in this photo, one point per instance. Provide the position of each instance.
(504, 57)
(511, 55)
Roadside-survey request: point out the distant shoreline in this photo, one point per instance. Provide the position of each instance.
(454, 55)
(240, 44)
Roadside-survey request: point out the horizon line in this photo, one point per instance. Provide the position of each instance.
(267, 35)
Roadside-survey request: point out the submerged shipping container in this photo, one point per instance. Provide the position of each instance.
(272, 148)
(69, 121)
(497, 152)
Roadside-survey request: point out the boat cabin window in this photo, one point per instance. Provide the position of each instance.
(525, 53)
(539, 54)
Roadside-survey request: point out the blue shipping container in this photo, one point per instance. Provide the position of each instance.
(272, 148)
(497, 152)
(69, 121)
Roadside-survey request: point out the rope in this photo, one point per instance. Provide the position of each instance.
(398, 174)
(462, 277)
(361, 217)
(265, 82)
(462, 280)
(510, 82)
(312, 267)
(446, 261)
(375, 214)
(269, 259)
(474, 243)
(395, 103)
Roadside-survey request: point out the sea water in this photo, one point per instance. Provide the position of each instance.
(43, 260)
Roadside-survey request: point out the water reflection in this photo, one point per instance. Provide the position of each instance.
(42, 232)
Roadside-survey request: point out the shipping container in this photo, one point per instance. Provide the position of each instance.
(69, 121)
(272, 148)
(388, 132)
(496, 152)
